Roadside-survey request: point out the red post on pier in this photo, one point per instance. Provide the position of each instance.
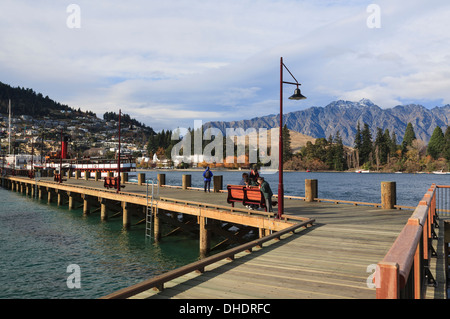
(118, 158)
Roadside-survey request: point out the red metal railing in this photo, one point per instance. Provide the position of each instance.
(405, 270)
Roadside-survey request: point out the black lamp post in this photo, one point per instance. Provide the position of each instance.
(296, 96)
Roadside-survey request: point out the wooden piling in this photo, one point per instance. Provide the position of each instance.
(141, 178)
(157, 224)
(218, 183)
(161, 179)
(70, 200)
(388, 195)
(60, 199)
(49, 195)
(123, 177)
(311, 190)
(86, 204)
(126, 215)
(204, 237)
(186, 181)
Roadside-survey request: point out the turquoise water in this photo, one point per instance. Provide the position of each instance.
(39, 241)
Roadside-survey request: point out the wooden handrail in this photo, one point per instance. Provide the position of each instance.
(158, 282)
(410, 251)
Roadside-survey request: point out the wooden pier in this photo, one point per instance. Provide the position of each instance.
(317, 250)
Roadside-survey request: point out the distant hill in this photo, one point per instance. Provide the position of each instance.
(298, 140)
(28, 102)
(342, 116)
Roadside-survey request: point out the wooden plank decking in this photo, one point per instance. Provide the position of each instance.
(329, 260)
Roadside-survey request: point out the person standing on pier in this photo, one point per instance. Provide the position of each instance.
(267, 192)
(254, 175)
(207, 175)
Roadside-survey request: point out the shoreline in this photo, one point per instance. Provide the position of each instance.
(285, 170)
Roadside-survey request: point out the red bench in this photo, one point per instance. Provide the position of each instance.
(246, 196)
(112, 182)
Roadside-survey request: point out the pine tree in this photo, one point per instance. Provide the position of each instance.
(408, 138)
(338, 153)
(287, 151)
(366, 145)
(446, 151)
(381, 144)
(436, 143)
(358, 143)
(393, 146)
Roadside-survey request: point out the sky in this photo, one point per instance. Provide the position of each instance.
(168, 63)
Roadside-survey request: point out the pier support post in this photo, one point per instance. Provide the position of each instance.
(87, 175)
(141, 178)
(157, 224)
(218, 183)
(70, 195)
(59, 198)
(204, 237)
(311, 190)
(161, 179)
(388, 195)
(103, 211)
(49, 195)
(40, 192)
(126, 215)
(77, 174)
(86, 205)
(98, 176)
(186, 181)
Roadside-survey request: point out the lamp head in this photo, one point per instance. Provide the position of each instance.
(297, 95)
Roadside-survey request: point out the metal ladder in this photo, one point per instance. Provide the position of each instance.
(149, 212)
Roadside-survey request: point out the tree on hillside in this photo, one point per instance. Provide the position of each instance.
(381, 146)
(287, 151)
(366, 145)
(339, 162)
(393, 146)
(447, 144)
(436, 143)
(408, 138)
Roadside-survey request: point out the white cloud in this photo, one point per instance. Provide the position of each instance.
(219, 60)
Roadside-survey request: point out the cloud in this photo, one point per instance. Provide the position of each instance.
(171, 62)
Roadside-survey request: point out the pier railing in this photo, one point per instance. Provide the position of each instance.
(405, 270)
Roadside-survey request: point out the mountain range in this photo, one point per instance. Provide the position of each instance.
(343, 116)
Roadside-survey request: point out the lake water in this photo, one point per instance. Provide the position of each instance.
(345, 186)
(38, 241)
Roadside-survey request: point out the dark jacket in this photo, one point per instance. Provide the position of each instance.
(265, 189)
